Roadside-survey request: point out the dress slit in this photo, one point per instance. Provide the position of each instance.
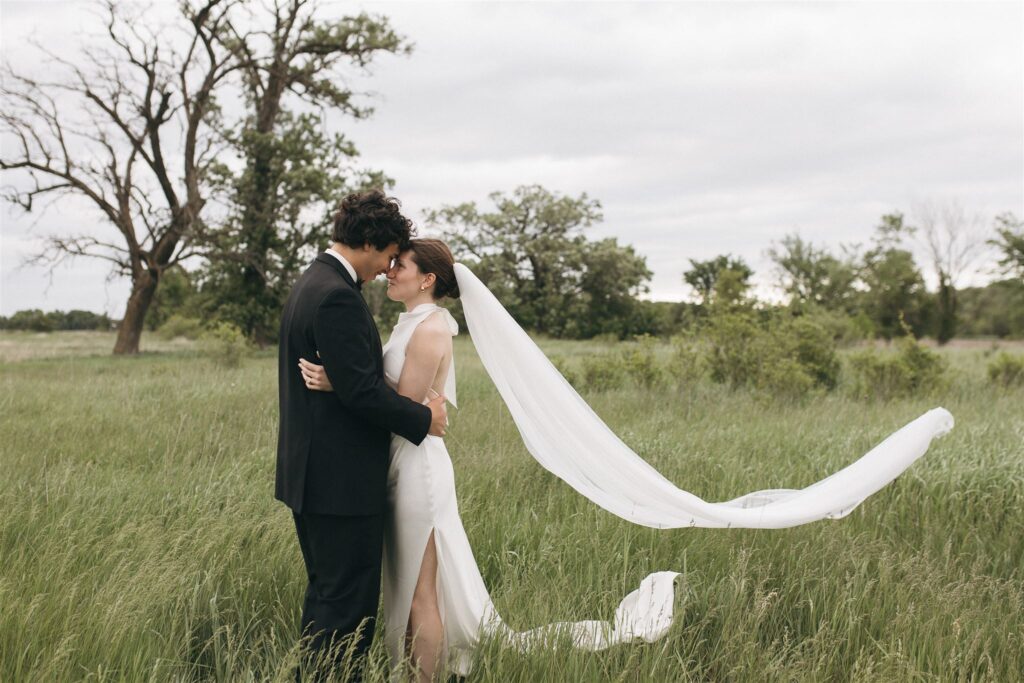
(438, 594)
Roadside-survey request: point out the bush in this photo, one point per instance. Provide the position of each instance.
(912, 369)
(178, 326)
(603, 371)
(782, 356)
(813, 348)
(844, 329)
(1006, 370)
(686, 364)
(639, 363)
(226, 343)
(636, 364)
(734, 349)
(785, 378)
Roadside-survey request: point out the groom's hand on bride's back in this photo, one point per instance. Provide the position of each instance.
(438, 416)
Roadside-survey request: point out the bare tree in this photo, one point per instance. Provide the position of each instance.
(126, 127)
(953, 239)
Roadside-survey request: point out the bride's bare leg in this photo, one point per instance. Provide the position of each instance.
(425, 627)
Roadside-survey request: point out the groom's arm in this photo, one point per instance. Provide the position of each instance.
(346, 345)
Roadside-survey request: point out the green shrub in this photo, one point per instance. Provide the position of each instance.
(911, 369)
(844, 329)
(813, 348)
(782, 356)
(1006, 370)
(226, 343)
(640, 364)
(686, 364)
(733, 354)
(603, 371)
(785, 378)
(178, 326)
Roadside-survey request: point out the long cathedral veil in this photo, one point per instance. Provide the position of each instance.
(567, 438)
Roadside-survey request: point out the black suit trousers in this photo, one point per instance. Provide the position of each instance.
(343, 564)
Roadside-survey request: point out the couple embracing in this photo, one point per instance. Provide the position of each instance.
(363, 466)
(360, 451)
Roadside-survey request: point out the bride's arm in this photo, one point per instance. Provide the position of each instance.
(423, 357)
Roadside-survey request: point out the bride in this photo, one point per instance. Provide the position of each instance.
(436, 606)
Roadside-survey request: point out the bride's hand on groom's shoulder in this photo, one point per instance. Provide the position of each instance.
(313, 376)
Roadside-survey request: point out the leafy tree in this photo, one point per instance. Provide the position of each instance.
(531, 252)
(812, 275)
(894, 286)
(996, 309)
(293, 169)
(1011, 243)
(610, 281)
(724, 279)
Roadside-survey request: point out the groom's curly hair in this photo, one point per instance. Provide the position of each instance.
(371, 218)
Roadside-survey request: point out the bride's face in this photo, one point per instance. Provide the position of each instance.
(405, 278)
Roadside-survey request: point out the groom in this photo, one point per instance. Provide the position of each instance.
(332, 449)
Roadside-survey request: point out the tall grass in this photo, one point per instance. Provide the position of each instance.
(139, 538)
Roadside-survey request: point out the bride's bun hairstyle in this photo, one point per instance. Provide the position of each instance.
(371, 218)
(434, 256)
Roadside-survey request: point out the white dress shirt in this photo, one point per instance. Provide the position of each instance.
(344, 262)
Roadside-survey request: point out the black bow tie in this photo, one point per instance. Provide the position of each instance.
(359, 285)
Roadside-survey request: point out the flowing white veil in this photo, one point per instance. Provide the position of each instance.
(568, 439)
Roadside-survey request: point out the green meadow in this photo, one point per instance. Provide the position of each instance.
(140, 540)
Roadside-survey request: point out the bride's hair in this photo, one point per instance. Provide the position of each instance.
(434, 256)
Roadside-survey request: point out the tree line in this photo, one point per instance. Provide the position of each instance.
(205, 142)
(35, 320)
(530, 247)
(878, 290)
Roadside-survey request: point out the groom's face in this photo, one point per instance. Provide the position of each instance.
(376, 261)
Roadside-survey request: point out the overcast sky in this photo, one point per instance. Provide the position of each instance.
(703, 128)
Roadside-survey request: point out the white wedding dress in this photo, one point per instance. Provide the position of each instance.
(568, 439)
(421, 499)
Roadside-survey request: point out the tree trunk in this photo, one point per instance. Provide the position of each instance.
(130, 331)
(946, 299)
(259, 233)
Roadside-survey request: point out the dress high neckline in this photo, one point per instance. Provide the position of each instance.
(418, 310)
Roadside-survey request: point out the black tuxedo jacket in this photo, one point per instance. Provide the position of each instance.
(332, 448)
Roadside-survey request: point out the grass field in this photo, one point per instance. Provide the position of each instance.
(140, 541)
